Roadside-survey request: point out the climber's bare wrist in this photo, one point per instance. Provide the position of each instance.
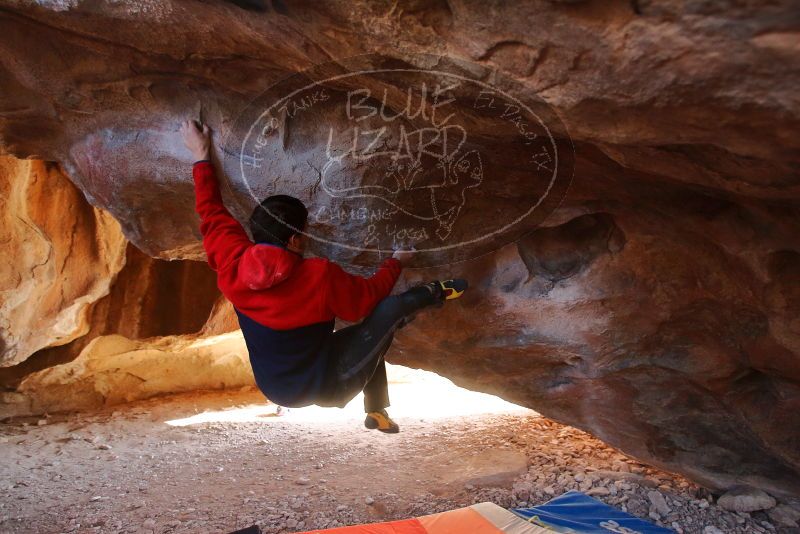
(202, 156)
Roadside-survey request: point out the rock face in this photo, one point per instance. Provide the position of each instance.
(147, 298)
(657, 307)
(111, 319)
(744, 499)
(113, 369)
(64, 256)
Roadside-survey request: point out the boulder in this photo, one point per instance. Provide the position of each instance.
(64, 255)
(785, 516)
(745, 499)
(650, 299)
(658, 503)
(114, 369)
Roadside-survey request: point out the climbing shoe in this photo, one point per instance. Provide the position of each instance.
(448, 289)
(381, 421)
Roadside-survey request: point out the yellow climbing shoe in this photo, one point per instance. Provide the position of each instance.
(381, 421)
(452, 289)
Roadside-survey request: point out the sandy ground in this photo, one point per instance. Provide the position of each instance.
(220, 461)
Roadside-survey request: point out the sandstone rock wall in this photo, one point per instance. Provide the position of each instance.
(656, 308)
(659, 330)
(114, 369)
(159, 327)
(148, 298)
(61, 256)
(701, 93)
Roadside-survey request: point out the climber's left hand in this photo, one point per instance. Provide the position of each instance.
(197, 140)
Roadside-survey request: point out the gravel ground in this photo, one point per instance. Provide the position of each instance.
(233, 464)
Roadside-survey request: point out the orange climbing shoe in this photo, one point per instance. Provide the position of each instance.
(381, 421)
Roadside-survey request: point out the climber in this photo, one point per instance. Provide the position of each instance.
(286, 304)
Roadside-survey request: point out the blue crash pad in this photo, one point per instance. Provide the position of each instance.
(576, 513)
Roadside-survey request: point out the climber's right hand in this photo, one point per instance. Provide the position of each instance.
(404, 256)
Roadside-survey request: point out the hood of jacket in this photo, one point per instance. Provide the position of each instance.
(263, 266)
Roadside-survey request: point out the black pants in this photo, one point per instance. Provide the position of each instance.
(356, 357)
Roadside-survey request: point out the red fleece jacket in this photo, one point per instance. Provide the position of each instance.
(274, 286)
